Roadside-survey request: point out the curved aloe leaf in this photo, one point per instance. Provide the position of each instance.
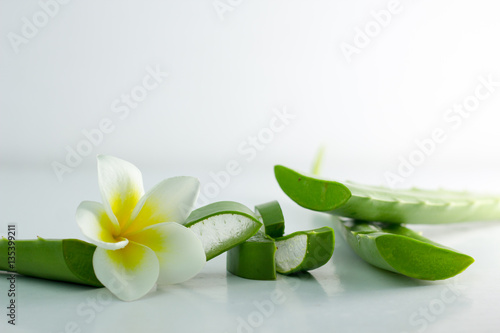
(401, 250)
(68, 260)
(310, 192)
(304, 250)
(272, 217)
(222, 225)
(253, 259)
(373, 203)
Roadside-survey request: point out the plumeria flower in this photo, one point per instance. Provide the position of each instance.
(138, 240)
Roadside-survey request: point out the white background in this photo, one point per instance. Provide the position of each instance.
(228, 73)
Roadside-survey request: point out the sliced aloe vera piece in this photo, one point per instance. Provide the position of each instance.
(253, 259)
(68, 260)
(272, 217)
(401, 250)
(373, 203)
(222, 225)
(304, 250)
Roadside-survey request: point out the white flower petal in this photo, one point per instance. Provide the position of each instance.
(121, 187)
(179, 250)
(95, 225)
(129, 273)
(169, 201)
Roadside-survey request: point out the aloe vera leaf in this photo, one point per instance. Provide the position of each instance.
(253, 259)
(304, 250)
(401, 250)
(68, 260)
(272, 218)
(373, 203)
(222, 225)
(311, 192)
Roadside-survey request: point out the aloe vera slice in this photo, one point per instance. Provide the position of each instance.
(373, 203)
(68, 260)
(222, 225)
(272, 217)
(261, 256)
(253, 259)
(304, 250)
(401, 250)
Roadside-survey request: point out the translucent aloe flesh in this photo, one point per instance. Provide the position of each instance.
(304, 250)
(372, 203)
(222, 225)
(68, 260)
(253, 259)
(401, 250)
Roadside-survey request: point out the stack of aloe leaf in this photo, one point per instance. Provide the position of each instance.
(372, 221)
(268, 251)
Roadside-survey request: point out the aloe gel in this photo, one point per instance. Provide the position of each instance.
(304, 250)
(222, 225)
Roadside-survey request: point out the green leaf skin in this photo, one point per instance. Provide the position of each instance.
(272, 217)
(222, 225)
(253, 259)
(310, 192)
(401, 250)
(373, 203)
(68, 260)
(317, 250)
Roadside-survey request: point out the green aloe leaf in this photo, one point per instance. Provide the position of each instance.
(253, 259)
(373, 203)
(272, 216)
(311, 192)
(68, 260)
(401, 250)
(304, 250)
(222, 225)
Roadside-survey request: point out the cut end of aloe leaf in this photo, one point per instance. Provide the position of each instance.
(79, 258)
(253, 259)
(311, 192)
(420, 260)
(222, 225)
(68, 260)
(304, 250)
(291, 254)
(272, 217)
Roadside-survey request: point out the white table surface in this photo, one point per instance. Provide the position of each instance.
(345, 295)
